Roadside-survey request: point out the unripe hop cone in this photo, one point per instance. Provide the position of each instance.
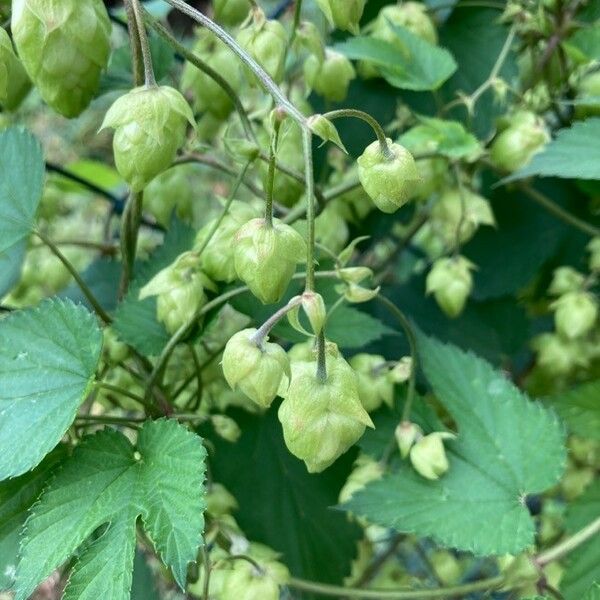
(64, 46)
(150, 125)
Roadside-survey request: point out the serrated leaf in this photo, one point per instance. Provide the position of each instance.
(574, 154)
(479, 504)
(21, 184)
(48, 358)
(410, 63)
(11, 260)
(109, 484)
(580, 409)
(583, 566)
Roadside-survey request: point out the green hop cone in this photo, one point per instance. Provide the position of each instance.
(322, 419)
(265, 40)
(64, 47)
(575, 314)
(558, 355)
(329, 77)
(411, 15)
(374, 387)
(514, 147)
(564, 280)
(389, 180)
(343, 14)
(257, 369)
(14, 83)
(150, 126)
(231, 12)
(265, 257)
(428, 455)
(451, 282)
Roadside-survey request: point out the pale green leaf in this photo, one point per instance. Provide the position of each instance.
(584, 45)
(580, 409)
(11, 260)
(409, 63)
(479, 504)
(21, 184)
(98, 496)
(48, 358)
(593, 593)
(574, 154)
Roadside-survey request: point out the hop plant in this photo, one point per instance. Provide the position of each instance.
(575, 313)
(266, 255)
(388, 179)
(322, 418)
(411, 15)
(588, 95)
(343, 14)
(256, 368)
(406, 434)
(365, 471)
(231, 12)
(14, 83)
(150, 125)
(564, 280)
(428, 455)
(64, 47)
(171, 193)
(329, 77)
(450, 281)
(374, 387)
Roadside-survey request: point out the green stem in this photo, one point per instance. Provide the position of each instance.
(263, 77)
(293, 30)
(149, 78)
(271, 172)
(443, 593)
(568, 545)
(76, 276)
(119, 390)
(321, 358)
(263, 331)
(310, 209)
(412, 342)
(205, 68)
(136, 48)
(367, 118)
(130, 226)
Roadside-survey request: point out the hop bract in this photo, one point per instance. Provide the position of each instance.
(575, 313)
(322, 419)
(374, 387)
(428, 455)
(450, 281)
(266, 256)
(64, 47)
(343, 14)
(389, 180)
(406, 434)
(150, 125)
(14, 83)
(411, 15)
(256, 369)
(231, 12)
(330, 77)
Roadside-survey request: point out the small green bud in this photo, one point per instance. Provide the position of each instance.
(575, 313)
(226, 428)
(265, 40)
(451, 282)
(428, 455)
(357, 294)
(14, 83)
(256, 369)
(514, 147)
(329, 77)
(374, 388)
(217, 258)
(446, 566)
(265, 257)
(594, 249)
(407, 434)
(313, 306)
(402, 370)
(64, 47)
(322, 419)
(326, 130)
(150, 125)
(355, 274)
(389, 181)
(343, 14)
(564, 280)
(365, 471)
(231, 12)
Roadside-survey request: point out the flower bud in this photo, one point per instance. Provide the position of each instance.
(343, 14)
(407, 434)
(314, 308)
(256, 369)
(14, 83)
(575, 314)
(150, 125)
(564, 280)
(179, 289)
(325, 129)
(357, 294)
(64, 47)
(265, 257)
(389, 181)
(322, 419)
(451, 282)
(217, 257)
(402, 370)
(594, 249)
(231, 12)
(374, 388)
(329, 77)
(265, 40)
(514, 147)
(428, 455)
(226, 428)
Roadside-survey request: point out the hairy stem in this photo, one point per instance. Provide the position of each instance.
(271, 172)
(130, 226)
(569, 544)
(136, 48)
(149, 78)
(310, 209)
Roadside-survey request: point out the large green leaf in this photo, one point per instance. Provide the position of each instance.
(11, 260)
(410, 63)
(574, 154)
(48, 358)
(583, 566)
(584, 44)
(580, 409)
(109, 484)
(479, 504)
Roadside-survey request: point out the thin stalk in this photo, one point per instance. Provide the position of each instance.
(321, 358)
(130, 226)
(134, 41)
(310, 209)
(271, 172)
(149, 78)
(568, 545)
(119, 390)
(263, 331)
(83, 182)
(78, 279)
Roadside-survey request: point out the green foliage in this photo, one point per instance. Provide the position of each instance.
(579, 409)
(110, 484)
(59, 342)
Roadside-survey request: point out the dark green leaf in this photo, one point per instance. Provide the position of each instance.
(580, 409)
